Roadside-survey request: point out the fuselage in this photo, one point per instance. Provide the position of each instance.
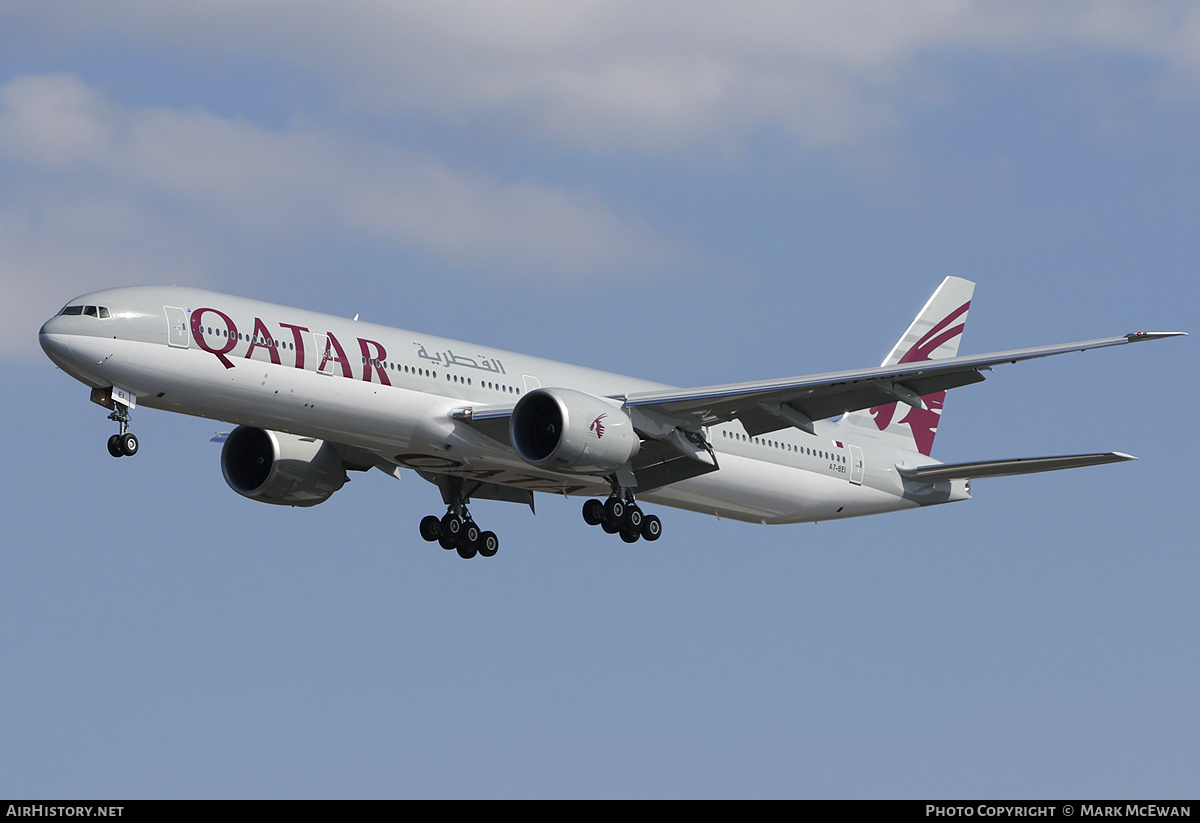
(400, 394)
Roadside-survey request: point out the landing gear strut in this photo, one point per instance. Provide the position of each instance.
(620, 514)
(456, 529)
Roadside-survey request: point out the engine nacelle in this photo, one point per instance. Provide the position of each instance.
(278, 468)
(571, 431)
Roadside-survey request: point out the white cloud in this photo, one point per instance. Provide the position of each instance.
(97, 190)
(659, 75)
(57, 242)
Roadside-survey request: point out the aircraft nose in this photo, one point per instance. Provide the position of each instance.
(55, 343)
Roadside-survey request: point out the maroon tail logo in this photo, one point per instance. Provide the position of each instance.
(924, 422)
(597, 426)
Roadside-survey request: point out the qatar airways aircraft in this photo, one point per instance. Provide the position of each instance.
(314, 396)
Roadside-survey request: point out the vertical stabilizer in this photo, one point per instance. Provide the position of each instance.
(933, 335)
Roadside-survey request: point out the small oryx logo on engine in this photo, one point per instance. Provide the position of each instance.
(597, 426)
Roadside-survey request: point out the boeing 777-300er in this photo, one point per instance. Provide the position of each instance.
(314, 396)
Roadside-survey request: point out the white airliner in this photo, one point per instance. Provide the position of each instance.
(315, 396)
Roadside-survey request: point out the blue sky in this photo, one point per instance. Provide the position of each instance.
(676, 191)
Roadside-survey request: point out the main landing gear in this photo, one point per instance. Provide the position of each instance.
(124, 444)
(456, 530)
(621, 515)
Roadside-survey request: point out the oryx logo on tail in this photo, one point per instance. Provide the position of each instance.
(933, 335)
(924, 422)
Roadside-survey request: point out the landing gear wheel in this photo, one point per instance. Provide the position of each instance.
(651, 528)
(609, 526)
(431, 528)
(630, 537)
(593, 512)
(452, 526)
(114, 446)
(129, 444)
(489, 544)
(632, 521)
(447, 542)
(467, 550)
(470, 534)
(614, 509)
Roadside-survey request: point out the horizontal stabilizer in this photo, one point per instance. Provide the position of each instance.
(1004, 468)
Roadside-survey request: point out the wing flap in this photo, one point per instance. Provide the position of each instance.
(478, 489)
(490, 421)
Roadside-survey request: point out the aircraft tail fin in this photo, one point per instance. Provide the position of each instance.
(933, 335)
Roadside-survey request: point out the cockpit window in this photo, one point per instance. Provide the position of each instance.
(90, 311)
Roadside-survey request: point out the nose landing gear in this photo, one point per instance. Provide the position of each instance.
(119, 402)
(124, 444)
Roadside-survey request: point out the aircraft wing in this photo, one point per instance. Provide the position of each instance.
(770, 405)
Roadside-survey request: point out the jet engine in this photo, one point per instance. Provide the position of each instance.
(282, 469)
(571, 431)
